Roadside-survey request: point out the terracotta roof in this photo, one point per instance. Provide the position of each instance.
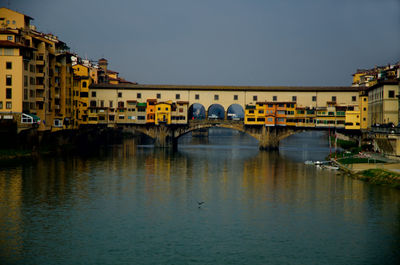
(226, 88)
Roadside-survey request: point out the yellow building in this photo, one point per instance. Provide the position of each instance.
(363, 106)
(163, 113)
(82, 81)
(353, 119)
(250, 115)
(37, 78)
(291, 113)
(383, 103)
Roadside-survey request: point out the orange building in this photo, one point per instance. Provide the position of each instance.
(270, 112)
(280, 114)
(151, 110)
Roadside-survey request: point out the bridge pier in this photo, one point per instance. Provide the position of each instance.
(164, 137)
(268, 139)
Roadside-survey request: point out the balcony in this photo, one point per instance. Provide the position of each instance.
(39, 74)
(39, 87)
(39, 62)
(40, 99)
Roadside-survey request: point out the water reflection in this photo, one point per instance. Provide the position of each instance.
(133, 204)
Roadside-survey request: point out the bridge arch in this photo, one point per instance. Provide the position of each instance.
(235, 112)
(216, 111)
(196, 112)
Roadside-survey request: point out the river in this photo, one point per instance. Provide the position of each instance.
(129, 204)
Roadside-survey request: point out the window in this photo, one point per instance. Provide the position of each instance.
(1, 104)
(139, 95)
(84, 84)
(197, 96)
(8, 80)
(31, 68)
(365, 109)
(177, 96)
(10, 38)
(391, 93)
(254, 98)
(294, 98)
(274, 98)
(353, 98)
(25, 80)
(334, 98)
(8, 105)
(8, 65)
(8, 93)
(25, 94)
(93, 94)
(158, 95)
(93, 103)
(314, 98)
(102, 103)
(26, 66)
(120, 94)
(110, 103)
(235, 97)
(216, 97)
(365, 99)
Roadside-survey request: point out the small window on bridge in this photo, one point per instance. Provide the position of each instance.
(235, 97)
(294, 98)
(254, 98)
(139, 95)
(178, 96)
(334, 98)
(314, 98)
(158, 95)
(353, 98)
(216, 97)
(120, 94)
(274, 98)
(197, 96)
(391, 93)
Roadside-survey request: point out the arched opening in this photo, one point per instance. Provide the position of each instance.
(235, 112)
(216, 112)
(197, 112)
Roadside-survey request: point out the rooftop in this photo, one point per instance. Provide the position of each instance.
(223, 88)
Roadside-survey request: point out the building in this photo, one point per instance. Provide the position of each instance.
(36, 76)
(383, 103)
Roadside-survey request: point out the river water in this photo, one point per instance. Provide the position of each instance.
(128, 204)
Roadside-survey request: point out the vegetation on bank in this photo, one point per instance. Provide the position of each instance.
(379, 176)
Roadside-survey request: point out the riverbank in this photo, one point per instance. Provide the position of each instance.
(387, 174)
(379, 176)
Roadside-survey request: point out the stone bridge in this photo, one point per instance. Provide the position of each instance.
(167, 136)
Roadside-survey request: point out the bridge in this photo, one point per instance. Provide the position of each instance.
(165, 136)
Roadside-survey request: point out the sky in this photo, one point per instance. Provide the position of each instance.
(226, 42)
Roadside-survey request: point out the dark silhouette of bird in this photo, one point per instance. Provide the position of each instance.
(200, 203)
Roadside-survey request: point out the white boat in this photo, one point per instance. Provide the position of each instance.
(330, 167)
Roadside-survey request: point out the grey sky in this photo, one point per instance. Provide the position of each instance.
(226, 42)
